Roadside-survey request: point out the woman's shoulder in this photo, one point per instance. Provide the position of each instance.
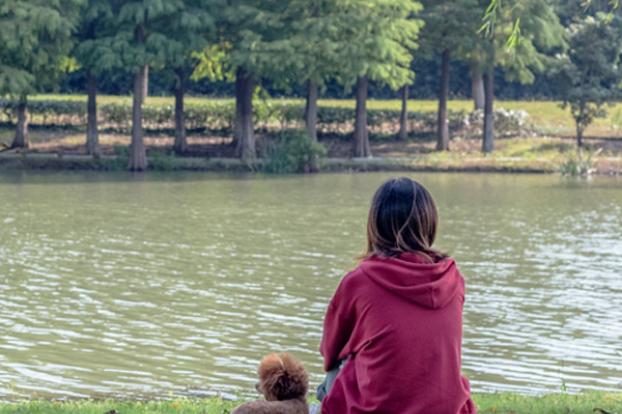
(354, 279)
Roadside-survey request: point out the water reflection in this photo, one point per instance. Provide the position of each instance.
(116, 285)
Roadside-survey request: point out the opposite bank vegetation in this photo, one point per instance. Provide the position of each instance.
(501, 403)
(286, 148)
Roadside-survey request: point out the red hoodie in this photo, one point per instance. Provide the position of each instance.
(399, 321)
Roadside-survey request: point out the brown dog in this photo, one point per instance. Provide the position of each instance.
(284, 383)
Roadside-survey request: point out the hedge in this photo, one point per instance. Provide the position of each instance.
(219, 115)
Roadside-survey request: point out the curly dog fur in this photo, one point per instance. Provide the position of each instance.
(284, 383)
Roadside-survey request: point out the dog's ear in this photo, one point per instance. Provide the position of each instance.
(282, 377)
(298, 378)
(270, 370)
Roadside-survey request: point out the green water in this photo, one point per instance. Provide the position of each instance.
(179, 283)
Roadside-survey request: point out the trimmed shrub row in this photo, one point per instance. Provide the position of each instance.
(219, 115)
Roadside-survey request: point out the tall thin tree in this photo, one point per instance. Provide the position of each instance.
(35, 37)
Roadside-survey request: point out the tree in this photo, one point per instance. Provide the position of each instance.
(188, 30)
(589, 74)
(36, 38)
(451, 29)
(314, 55)
(142, 41)
(520, 36)
(402, 134)
(254, 35)
(95, 54)
(377, 41)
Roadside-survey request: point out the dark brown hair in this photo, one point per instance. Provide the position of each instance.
(403, 218)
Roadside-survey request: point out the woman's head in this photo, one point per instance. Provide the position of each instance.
(403, 218)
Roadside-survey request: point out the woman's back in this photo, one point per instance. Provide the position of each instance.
(399, 321)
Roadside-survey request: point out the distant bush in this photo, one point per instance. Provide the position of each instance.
(292, 152)
(578, 164)
(162, 162)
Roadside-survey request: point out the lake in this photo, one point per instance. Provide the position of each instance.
(113, 284)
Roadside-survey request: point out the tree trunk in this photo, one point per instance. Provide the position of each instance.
(311, 110)
(22, 138)
(138, 154)
(442, 125)
(311, 121)
(580, 130)
(361, 134)
(489, 117)
(181, 144)
(477, 88)
(244, 130)
(403, 133)
(145, 93)
(92, 135)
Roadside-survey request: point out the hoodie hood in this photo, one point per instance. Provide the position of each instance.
(432, 285)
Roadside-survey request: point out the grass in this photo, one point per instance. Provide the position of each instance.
(502, 403)
(547, 116)
(184, 406)
(593, 402)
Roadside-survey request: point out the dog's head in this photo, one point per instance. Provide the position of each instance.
(282, 377)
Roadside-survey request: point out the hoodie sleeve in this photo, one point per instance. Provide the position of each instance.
(338, 327)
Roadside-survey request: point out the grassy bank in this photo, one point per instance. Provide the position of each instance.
(487, 403)
(530, 155)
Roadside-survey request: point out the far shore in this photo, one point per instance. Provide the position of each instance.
(541, 142)
(418, 163)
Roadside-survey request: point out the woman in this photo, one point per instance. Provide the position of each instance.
(393, 330)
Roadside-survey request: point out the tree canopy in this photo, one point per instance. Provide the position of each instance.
(35, 37)
(298, 45)
(589, 74)
(378, 38)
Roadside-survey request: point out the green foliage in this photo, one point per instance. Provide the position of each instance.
(94, 47)
(254, 34)
(578, 164)
(523, 35)
(451, 24)
(377, 39)
(122, 152)
(160, 33)
(162, 162)
(312, 50)
(292, 152)
(217, 115)
(188, 30)
(491, 16)
(35, 36)
(589, 75)
(211, 62)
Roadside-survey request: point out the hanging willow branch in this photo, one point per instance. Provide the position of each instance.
(493, 11)
(491, 16)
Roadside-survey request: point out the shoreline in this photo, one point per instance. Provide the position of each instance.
(73, 162)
